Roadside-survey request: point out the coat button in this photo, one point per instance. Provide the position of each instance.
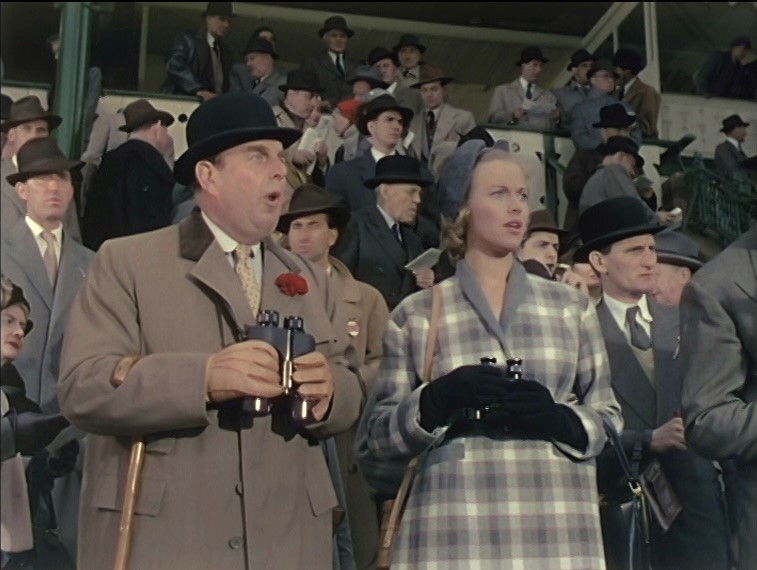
(238, 489)
(236, 543)
(352, 469)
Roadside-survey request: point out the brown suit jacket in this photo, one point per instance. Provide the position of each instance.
(209, 498)
(646, 101)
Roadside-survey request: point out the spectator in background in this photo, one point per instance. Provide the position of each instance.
(516, 103)
(364, 79)
(258, 74)
(199, 63)
(332, 65)
(677, 261)
(729, 154)
(345, 127)
(578, 87)
(724, 74)
(410, 52)
(388, 64)
(643, 98)
(266, 33)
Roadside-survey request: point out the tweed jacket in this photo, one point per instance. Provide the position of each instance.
(508, 97)
(698, 538)
(334, 86)
(189, 66)
(13, 208)
(451, 124)
(585, 114)
(719, 371)
(482, 502)
(646, 101)
(241, 80)
(568, 96)
(209, 497)
(22, 262)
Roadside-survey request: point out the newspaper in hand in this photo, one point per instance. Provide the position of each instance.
(425, 260)
(536, 109)
(313, 135)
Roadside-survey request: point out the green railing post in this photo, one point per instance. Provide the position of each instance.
(71, 80)
(551, 174)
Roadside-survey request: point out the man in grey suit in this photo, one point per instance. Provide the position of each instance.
(258, 74)
(719, 372)
(388, 64)
(729, 154)
(577, 89)
(40, 256)
(27, 120)
(642, 344)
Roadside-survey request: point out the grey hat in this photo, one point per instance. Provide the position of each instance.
(675, 248)
(642, 183)
(369, 74)
(455, 181)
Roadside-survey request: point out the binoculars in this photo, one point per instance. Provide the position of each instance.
(513, 370)
(290, 341)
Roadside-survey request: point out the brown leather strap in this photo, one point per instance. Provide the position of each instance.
(433, 329)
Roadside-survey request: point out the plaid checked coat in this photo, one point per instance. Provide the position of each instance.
(479, 502)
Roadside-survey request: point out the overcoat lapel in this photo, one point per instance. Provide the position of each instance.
(385, 238)
(26, 253)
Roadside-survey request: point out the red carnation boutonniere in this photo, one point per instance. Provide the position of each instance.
(291, 284)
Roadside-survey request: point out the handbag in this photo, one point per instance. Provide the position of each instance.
(393, 509)
(625, 518)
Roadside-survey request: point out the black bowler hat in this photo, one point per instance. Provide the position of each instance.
(26, 110)
(257, 44)
(615, 116)
(379, 53)
(675, 248)
(140, 113)
(40, 156)
(730, 123)
(311, 199)
(610, 221)
(399, 169)
(579, 57)
(602, 65)
(301, 80)
(369, 74)
(410, 40)
(630, 59)
(742, 41)
(224, 9)
(335, 23)
(531, 53)
(224, 122)
(621, 144)
(372, 109)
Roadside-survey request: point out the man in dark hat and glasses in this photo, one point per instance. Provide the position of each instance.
(200, 62)
(157, 351)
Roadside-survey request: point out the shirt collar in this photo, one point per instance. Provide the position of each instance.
(627, 86)
(37, 230)
(524, 84)
(733, 141)
(378, 155)
(211, 40)
(618, 309)
(227, 243)
(387, 218)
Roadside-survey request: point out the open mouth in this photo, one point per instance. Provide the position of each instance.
(273, 197)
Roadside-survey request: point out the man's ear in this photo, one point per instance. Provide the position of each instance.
(21, 190)
(597, 261)
(205, 174)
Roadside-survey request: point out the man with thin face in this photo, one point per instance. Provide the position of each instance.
(641, 337)
(333, 65)
(577, 89)
(200, 63)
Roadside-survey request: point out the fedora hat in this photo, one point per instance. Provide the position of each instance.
(675, 248)
(257, 44)
(12, 294)
(301, 80)
(615, 116)
(335, 23)
(730, 123)
(580, 56)
(140, 113)
(226, 121)
(410, 40)
(429, 74)
(531, 53)
(379, 53)
(40, 156)
(399, 169)
(224, 9)
(369, 74)
(372, 109)
(613, 220)
(312, 199)
(542, 221)
(29, 109)
(602, 65)
(621, 144)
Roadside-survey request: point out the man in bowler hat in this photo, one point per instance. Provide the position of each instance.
(199, 63)
(258, 74)
(156, 350)
(641, 338)
(678, 260)
(409, 51)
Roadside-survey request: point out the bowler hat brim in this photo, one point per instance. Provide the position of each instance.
(680, 260)
(400, 178)
(340, 216)
(213, 145)
(582, 253)
(300, 87)
(53, 122)
(345, 29)
(43, 166)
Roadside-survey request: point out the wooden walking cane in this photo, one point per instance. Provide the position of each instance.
(133, 475)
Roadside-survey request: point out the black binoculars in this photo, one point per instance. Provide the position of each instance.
(513, 370)
(290, 341)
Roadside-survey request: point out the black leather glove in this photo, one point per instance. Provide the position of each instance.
(34, 431)
(64, 460)
(532, 410)
(471, 386)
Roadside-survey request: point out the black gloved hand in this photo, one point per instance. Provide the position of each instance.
(471, 386)
(34, 431)
(64, 460)
(533, 410)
